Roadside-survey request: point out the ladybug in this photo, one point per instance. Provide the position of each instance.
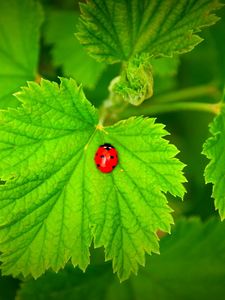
(106, 158)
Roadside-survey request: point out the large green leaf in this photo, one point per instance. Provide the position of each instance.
(214, 149)
(189, 267)
(114, 31)
(19, 46)
(56, 201)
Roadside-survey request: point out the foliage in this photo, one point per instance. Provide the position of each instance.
(19, 46)
(67, 51)
(114, 31)
(214, 150)
(70, 196)
(56, 206)
(125, 31)
(163, 276)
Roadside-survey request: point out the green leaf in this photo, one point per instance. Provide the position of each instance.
(19, 46)
(213, 148)
(114, 31)
(136, 81)
(56, 201)
(189, 267)
(67, 52)
(135, 84)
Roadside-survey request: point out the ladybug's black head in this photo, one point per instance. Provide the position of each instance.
(107, 146)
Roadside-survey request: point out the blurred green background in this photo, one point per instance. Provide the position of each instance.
(192, 260)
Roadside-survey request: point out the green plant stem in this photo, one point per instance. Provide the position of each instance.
(149, 109)
(170, 102)
(189, 94)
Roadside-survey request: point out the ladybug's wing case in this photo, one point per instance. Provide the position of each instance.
(113, 157)
(106, 158)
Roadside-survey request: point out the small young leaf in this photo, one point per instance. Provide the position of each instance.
(214, 149)
(189, 267)
(135, 84)
(56, 201)
(136, 81)
(67, 51)
(114, 31)
(19, 37)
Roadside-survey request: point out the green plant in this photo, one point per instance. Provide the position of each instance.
(127, 58)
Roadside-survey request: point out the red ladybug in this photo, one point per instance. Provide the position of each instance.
(106, 158)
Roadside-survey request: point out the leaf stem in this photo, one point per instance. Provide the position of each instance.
(189, 93)
(154, 109)
(170, 102)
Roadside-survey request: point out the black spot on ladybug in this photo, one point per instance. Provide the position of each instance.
(98, 165)
(102, 156)
(111, 156)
